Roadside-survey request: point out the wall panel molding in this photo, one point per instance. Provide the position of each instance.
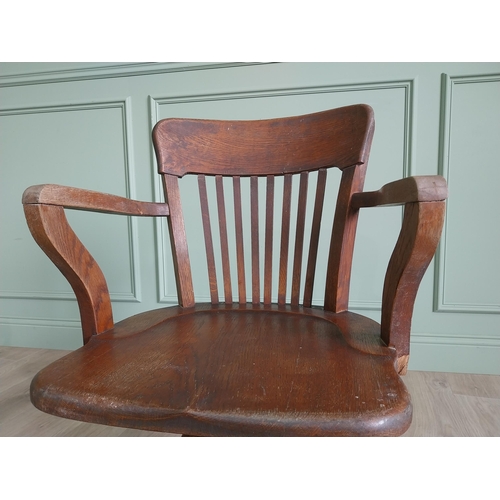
(456, 340)
(129, 173)
(449, 84)
(41, 332)
(166, 288)
(44, 322)
(100, 71)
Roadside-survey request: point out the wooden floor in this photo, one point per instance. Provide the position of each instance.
(445, 404)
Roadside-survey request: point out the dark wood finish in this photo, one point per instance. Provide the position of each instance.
(254, 371)
(268, 252)
(408, 190)
(299, 239)
(178, 242)
(285, 238)
(226, 273)
(238, 368)
(338, 277)
(444, 404)
(254, 203)
(51, 230)
(339, 137)
(423, 197)
(209, 246)
(314, 241)
(240, 252)
(417, 243)
(82, 199)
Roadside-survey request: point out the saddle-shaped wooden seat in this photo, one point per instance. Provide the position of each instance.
(272, 363)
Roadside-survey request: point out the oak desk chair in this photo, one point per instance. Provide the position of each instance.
(247, 366)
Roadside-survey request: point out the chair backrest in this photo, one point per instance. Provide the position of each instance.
(247, 151)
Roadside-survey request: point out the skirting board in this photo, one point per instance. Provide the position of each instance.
(455, 358)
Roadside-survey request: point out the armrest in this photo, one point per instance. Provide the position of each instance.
(423, 197)
(408, 190)
(44, 209)
(82, 199)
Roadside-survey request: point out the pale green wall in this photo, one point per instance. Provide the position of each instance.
(89, 126)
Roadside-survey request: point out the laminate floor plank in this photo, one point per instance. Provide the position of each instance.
(465, 384)
(17, 367)
(447, 404)
(444, 404)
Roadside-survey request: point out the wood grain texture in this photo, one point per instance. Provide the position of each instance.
(407, 190)
(285, 238)
(416, 245)
(82, 199)
(178, 242)
(299, 239)
(230, 370)
(268, 249)
(51, 230)
(314, 240)
(237, 369)
(240, 250)
(254, 222)
(340, 137)
(338, 277)
(221, 210)
(444, 404)
(209, 247)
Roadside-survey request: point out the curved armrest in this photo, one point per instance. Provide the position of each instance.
(82, 199)
(407, 190)
(420, 233)
(44, 209)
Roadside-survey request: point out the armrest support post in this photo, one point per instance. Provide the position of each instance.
(51, 230)
(416, 245)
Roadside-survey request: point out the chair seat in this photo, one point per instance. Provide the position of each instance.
(225, 370)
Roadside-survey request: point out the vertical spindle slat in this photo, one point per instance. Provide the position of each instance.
(254, 220)
(268, 244)
(315, 230)
(226, 273)
(178, 241)
(299, 238)
(209, 247)
(240, 256)
(285, 235)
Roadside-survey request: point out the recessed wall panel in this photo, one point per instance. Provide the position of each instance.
(84, 146)
(469, 258)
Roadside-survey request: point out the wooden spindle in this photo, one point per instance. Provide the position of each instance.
(240, 254)
(268, 251)
(299, 238)
(209, 247)
(254, 216)
(315, 231)
(224, 247)
(285, 235)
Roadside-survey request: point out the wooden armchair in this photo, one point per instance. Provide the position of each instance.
(266, 364)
